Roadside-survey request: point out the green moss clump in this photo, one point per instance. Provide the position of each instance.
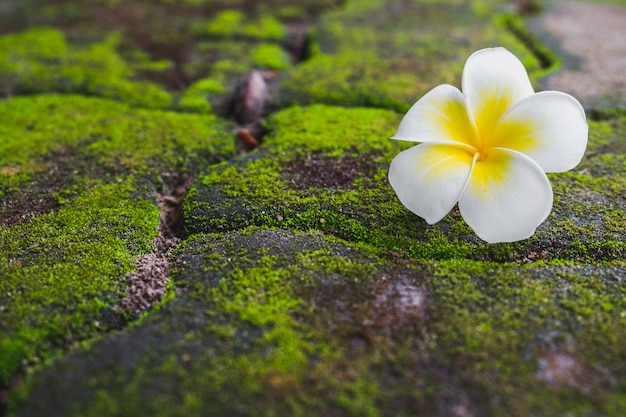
(268, 56)
(333, 130)
(615, 221)
(40, 60)
(353, 79)
(507, 328)
(233, 23)
(62, 271)
(196, 97)
(99, 161)
(257, 346)
(225, 60)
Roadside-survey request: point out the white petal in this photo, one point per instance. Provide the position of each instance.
(493, 80)
(438, 117)
(550, 127)
(429, 178)
(506, 198)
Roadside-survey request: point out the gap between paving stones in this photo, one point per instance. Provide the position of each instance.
(248, 106)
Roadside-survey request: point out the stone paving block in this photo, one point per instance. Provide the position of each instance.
(325, 168)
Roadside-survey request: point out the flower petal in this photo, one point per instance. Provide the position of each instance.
(438, 117)
(493, 80)
(506, 198)
(549, 127)
(429, 178)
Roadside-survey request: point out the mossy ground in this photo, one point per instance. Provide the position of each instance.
(271, 322)
(304, 287)
(148, 54)
(391, 60)
(77, 183)
(41, 60)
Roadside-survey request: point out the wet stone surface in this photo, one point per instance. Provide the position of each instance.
(195, 216)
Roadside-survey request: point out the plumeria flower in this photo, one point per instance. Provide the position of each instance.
(488, 148)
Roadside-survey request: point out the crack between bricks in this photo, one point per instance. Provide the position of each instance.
(147, 286)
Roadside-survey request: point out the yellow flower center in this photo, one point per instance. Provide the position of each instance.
(480, 156)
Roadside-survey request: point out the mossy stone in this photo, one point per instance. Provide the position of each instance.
(40, 60)
(102, 135)
(327, 166)
(62, 271)
(77, 179)
(272, 322)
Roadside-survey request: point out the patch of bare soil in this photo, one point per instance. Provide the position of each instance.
(39, 197)
(320, 171)
(16, 210)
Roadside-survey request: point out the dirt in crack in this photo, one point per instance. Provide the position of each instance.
(248, 106)
(147, 285)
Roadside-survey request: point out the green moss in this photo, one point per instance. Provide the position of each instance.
(225, 60)
(196, 97)
(501, 325)
(333, 80)
(62, 271)
(271, 322)
(269, 56)
(259, 297)
(588, 207)
(40, 60)
(101, 133)
(605, 156)
(354, 131)
(332, 130)
(42, 43)
(615, 221)
(197, 103)
(231, 23)
(275, 287)
(257, 344)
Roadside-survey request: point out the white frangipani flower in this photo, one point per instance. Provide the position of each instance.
(488, 148)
